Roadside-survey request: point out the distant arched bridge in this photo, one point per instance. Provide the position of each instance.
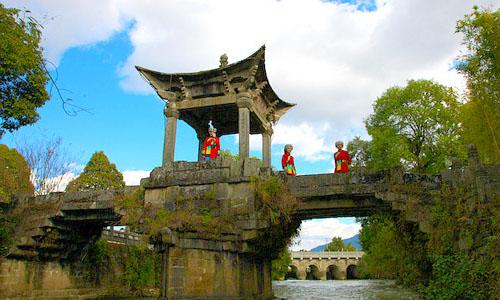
(324, 265)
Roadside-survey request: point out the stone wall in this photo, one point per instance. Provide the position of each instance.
(86, 278)
(40, 280)
(205, 274)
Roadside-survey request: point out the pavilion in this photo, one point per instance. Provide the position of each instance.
(236, 97)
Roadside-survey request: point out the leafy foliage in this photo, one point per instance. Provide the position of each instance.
(14, 174)
(280, 265)
(6, 232)
(481, 67)
(150, 220)
(415, 127)
(337, 244)
(138, 268)
(393, 249)
(457, 259)
(280, 205)
(360, 152)
(22, 72)
(226, 153)
(99, 174)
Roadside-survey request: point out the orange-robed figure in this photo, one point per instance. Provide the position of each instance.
(342, 159)
(211, 145)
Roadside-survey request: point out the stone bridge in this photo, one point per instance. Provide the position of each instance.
(59, 226)
(323, 265)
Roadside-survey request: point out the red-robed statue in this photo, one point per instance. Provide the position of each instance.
(211, 145)
(287, 161)
(342, 159)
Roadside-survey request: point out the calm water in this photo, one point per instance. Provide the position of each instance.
(341, 289)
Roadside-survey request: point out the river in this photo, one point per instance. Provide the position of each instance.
(341, 290)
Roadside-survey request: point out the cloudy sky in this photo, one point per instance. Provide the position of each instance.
(332, 58)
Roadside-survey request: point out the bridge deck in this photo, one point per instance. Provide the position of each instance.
(327, 255)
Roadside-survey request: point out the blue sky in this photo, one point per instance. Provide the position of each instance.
(332, 58)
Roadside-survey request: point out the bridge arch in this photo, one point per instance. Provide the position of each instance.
(293, 272)
(313, 273)
(352, 272)
(333, 272)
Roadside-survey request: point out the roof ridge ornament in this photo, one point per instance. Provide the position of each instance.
(223, 61)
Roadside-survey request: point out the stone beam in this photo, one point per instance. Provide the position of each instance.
(209, 101)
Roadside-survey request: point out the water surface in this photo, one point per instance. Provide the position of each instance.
(341, 290)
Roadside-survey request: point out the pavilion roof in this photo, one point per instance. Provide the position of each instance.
(230, 78)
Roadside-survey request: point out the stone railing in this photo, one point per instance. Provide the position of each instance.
(183, 173)
(327, 255)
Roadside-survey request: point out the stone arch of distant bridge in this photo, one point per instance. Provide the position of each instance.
(324, 265)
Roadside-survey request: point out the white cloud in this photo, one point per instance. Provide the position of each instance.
(68, 24)
(318, 232)
(58, 183)
(308, 142)
(133, 177)
(329, 58)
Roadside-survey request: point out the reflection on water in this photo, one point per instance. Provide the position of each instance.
(341, 289)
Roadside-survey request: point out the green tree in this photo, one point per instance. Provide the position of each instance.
(99, 174)
(14, 180)
(22, 73)
(393, 249)
(415, 127)
(14, 174)
(228, 154)
(280, 265)
(337, 244)
(481, 67)
(360, 152)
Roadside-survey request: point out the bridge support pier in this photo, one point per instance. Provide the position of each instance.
(191, 273)
(301, 274)
(322, 274)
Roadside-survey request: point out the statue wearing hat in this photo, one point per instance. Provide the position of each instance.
(342, 158)
(211, 145)
(287, 161)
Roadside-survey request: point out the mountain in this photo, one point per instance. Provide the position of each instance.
(353, 240)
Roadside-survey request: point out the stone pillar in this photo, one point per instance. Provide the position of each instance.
(322, 274)
(266, 148)
(172, 114)
(244, 103)
(301, 274)
(343, 273)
